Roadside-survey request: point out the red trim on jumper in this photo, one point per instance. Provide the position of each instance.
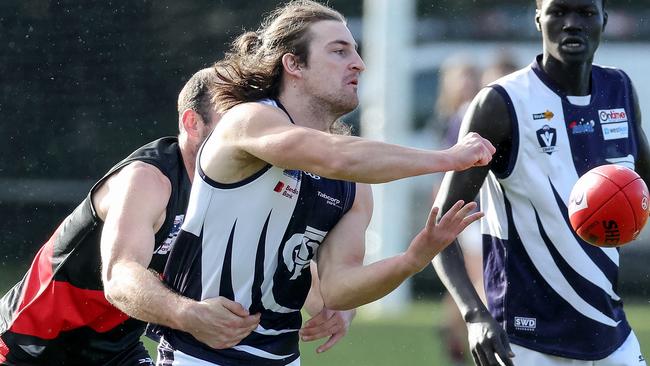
(4, 350)
(49, 307)
(63, 307)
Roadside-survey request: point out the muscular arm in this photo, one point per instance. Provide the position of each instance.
(138, 195)
(488, 116)
(347, 283)
(134, 206)
(252, 134)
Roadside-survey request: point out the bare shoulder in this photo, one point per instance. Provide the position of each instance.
(139, 177)
(489, 116)
(249, 115)
(143, 174)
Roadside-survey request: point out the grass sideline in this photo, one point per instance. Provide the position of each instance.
(412, 339)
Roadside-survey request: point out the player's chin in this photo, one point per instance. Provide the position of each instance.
(350, 102)
(574, 56)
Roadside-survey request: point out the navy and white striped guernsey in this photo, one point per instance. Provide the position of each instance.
(553, 292)
(251, 242)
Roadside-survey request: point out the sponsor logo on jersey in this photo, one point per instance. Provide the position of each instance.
(294, 174)
(285, 190)
(548, 115)
(547, 138)
(300, 249)
(614, 131)
(582, 127)
(612, 115)
(641, 358)
(166, 246)
(330, 200)
(524, 323)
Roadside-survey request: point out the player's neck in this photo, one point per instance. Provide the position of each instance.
(188, 152)
(306, 112)
(573, 78)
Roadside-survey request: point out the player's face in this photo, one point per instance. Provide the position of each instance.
(333, 66)
(571, 29)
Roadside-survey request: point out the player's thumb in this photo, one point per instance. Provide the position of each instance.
(235, 307)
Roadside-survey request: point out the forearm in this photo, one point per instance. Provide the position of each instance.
(369, 161)
(450, 267)
(353, 286)
(140, 294)
(351, 158)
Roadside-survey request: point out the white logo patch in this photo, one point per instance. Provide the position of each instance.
(523, 323)
(300, 249)
(614, 131)
(612, 115)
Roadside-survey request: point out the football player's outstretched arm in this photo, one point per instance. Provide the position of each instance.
(252, 134)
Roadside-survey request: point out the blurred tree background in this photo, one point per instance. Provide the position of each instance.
(86, 82)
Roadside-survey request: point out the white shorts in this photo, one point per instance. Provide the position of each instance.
(629, 354)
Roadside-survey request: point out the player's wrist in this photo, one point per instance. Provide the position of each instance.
(183, 315)
(411, 264)
(475, 314)
(446, 160)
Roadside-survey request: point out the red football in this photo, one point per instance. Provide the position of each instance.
(608, 206)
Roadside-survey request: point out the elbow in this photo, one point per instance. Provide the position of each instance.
(110, 292)
(336, 301)
(337, 166)
(113, 293)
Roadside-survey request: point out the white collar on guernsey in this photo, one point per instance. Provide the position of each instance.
(579, 100)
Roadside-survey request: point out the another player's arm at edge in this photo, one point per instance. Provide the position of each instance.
(487, 115)
(133, 205)
(643, 160)
(254, 134)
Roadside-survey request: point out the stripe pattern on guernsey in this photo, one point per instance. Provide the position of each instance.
(252, 242)
(529, 246)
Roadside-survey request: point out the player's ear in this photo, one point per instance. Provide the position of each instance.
(538, 14)
(291, 64)
(605, 17)
(190, 122)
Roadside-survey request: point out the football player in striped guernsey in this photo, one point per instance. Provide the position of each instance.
(288, 183)
(552, 298)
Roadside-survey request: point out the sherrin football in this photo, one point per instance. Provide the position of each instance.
(608, 206)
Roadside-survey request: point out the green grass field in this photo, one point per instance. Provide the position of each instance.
(412, 339)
